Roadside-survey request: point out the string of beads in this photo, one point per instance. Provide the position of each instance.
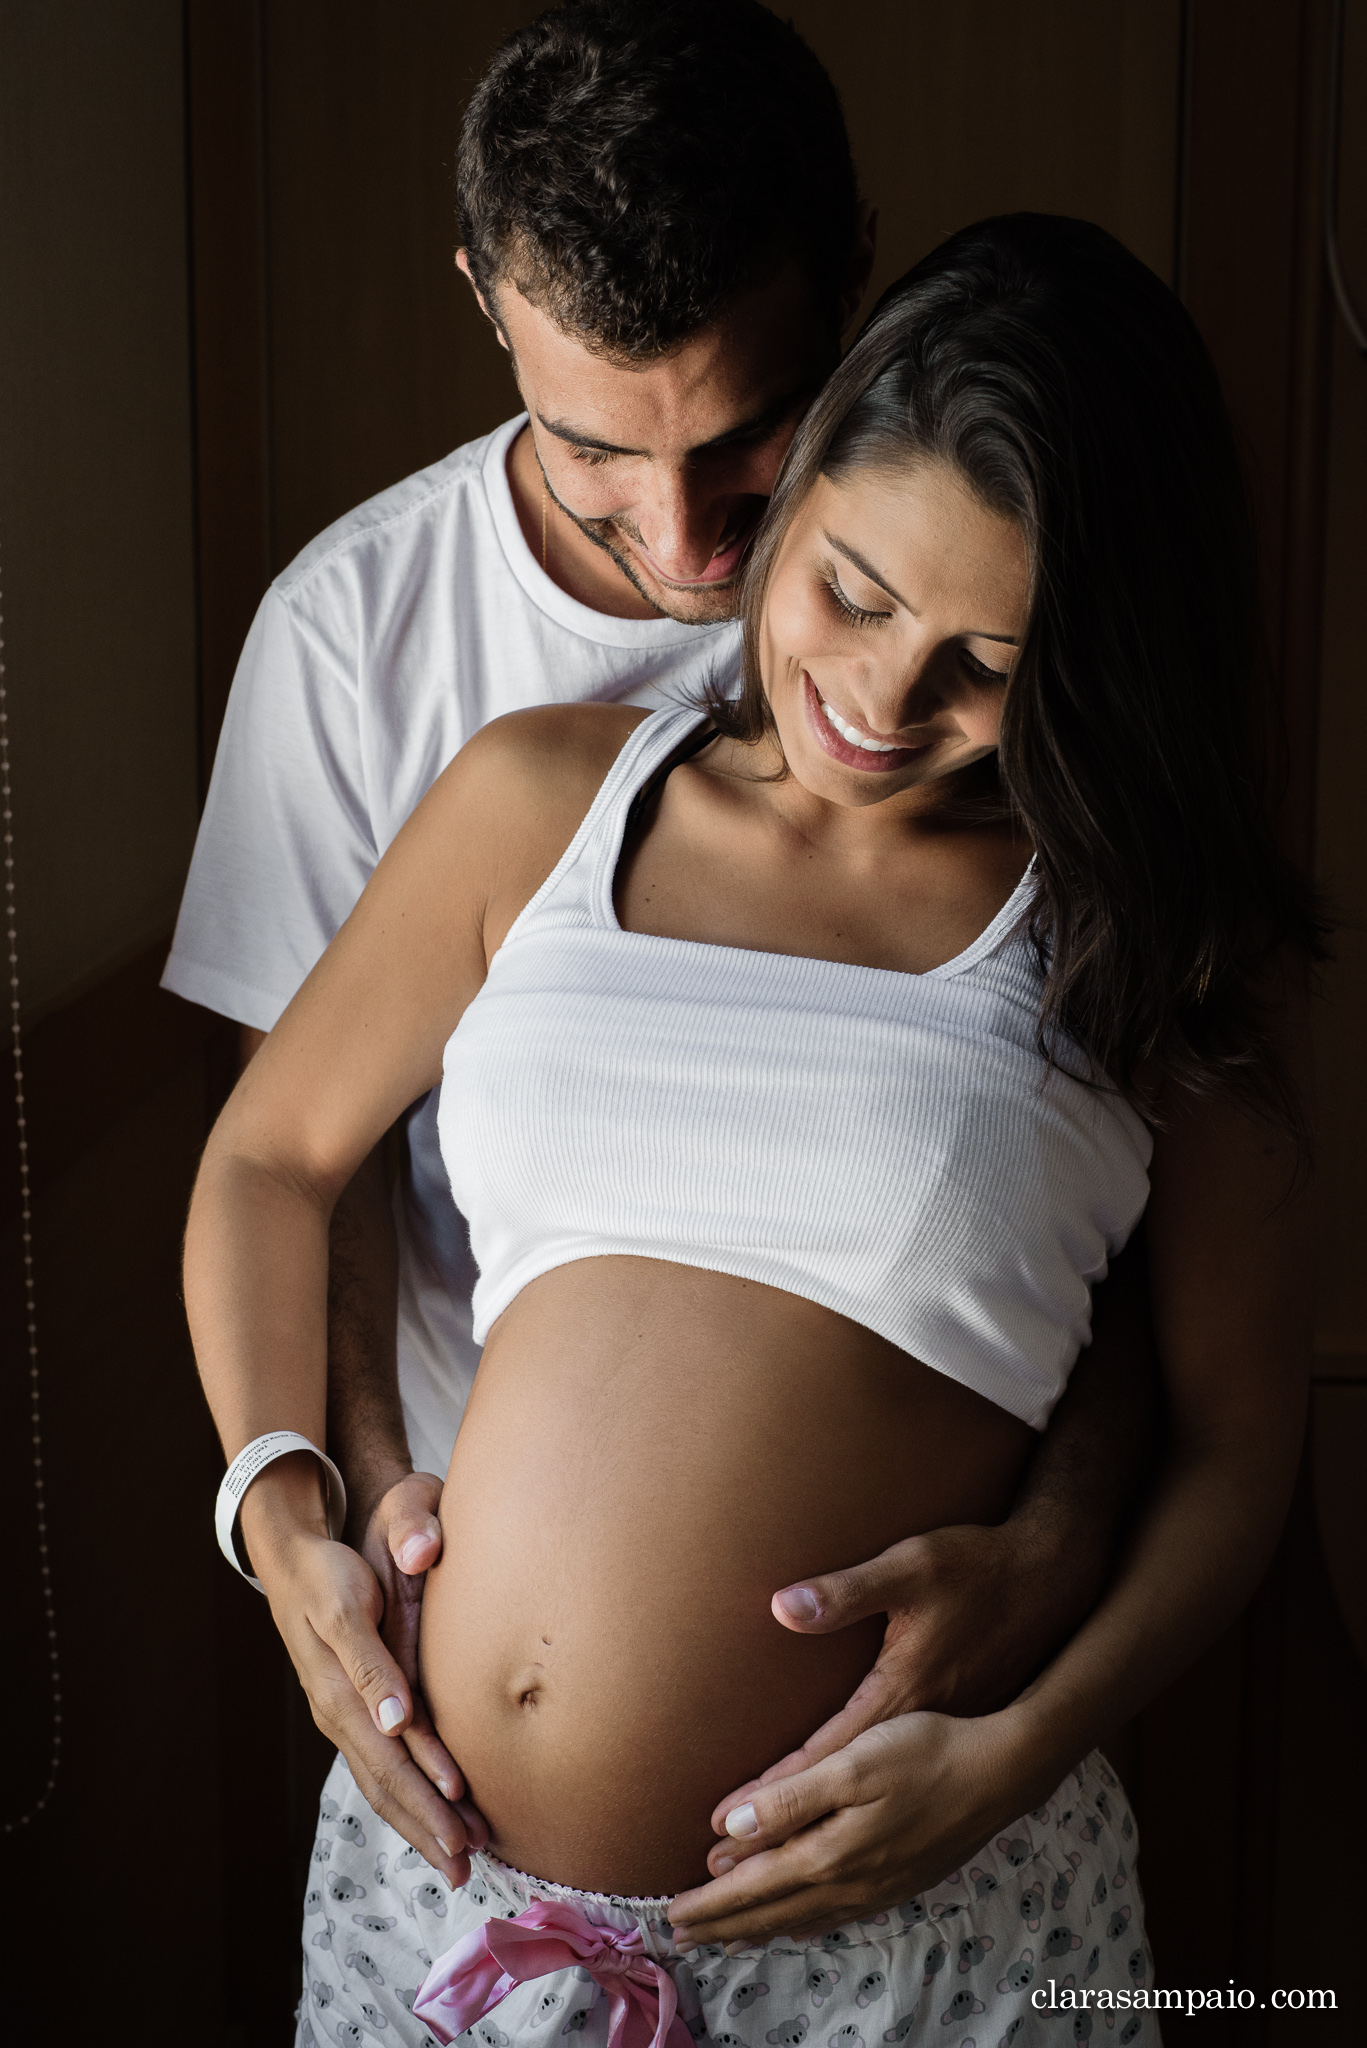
(26, 1245)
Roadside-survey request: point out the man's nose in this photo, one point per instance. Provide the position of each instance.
(682, 525)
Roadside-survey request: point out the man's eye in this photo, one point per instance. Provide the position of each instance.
(593, 456)
(758, 436)
(855, 613)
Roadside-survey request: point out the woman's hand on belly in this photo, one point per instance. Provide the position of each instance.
(648, 1452)
(881, 1821)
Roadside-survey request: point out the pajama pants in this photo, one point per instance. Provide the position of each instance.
(969, 1964)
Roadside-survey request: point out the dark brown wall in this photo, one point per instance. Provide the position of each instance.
(96, 511)
(96, 488)
(1341, 842)
(233, 290)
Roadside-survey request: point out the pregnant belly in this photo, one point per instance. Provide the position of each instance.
(649, 1453)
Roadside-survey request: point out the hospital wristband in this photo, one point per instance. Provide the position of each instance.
(249, 1465)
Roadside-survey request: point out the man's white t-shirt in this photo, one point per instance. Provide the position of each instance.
(397, 634)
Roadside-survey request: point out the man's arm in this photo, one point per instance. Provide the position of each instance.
(973, 1612)
(391, 1520)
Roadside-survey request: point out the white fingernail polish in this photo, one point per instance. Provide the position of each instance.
(445, 1847)
(738, 1948)
(390, 1714)
(724, 1864)
(799, 1603)
(741, 1820)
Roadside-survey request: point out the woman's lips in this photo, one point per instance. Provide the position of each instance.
(841, 750)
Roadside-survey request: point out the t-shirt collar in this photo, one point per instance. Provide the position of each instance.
(548, 596)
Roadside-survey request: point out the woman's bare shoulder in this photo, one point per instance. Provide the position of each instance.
(554, 749)
(548, 760)
(515, 795)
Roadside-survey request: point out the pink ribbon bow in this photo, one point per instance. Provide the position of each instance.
(479, 1972)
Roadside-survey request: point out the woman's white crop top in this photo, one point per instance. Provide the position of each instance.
(890, 1145)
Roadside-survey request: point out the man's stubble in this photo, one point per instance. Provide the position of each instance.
(709, 608)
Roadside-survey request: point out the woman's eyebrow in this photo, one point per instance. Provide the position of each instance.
(866, 568)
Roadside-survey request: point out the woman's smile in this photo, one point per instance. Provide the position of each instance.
(849, 743)
(899, 595)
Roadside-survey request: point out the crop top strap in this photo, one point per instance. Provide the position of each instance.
(692, 743)
(658, 745)
(579, 887)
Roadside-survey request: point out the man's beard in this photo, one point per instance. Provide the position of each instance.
(707, 606)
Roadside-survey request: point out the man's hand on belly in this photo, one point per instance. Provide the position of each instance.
(402, 1541)
(972, 1614)
(886, 1797)
(975, 1612)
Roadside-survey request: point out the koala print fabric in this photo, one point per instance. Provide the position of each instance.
(1054, 1896)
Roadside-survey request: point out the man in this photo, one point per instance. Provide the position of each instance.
(661, 221)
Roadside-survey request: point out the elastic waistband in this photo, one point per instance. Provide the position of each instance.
(510, 1891)
(1030, 1854)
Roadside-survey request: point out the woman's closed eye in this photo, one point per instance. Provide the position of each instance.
(855, 613)
(863, 615)
(983, 671)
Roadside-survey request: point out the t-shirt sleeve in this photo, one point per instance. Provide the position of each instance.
(285, 846)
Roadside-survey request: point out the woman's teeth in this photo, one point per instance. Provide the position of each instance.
(857, 739)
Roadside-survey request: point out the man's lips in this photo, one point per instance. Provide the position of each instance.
(841, 750)
(720, 569)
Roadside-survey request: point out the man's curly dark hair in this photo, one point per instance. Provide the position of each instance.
(630, 165)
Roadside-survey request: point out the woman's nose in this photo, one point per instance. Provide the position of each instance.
(893, 700)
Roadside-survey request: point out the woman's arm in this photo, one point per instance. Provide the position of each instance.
(391, 1522)
(907, 1801)
(361, 1040)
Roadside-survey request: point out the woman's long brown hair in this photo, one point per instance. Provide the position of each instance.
(1069, 388)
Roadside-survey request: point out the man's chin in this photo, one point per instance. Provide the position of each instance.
(696, 607)
(699, 605)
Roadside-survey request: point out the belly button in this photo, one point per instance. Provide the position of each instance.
(526, 1688)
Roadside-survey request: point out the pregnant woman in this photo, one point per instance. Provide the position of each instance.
(804, 1058)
